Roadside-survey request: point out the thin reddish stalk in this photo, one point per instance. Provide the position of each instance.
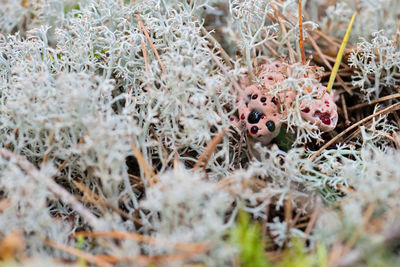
(303, 54)
(182, 246)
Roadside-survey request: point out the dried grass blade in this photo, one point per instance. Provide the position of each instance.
(78, 253)
(151, 44)
(96, 199)
(91, 196)
(5, 203)
(205, 156)
(155, 259)
(333, 140)
(384, 98)
(396, 37)
(46, 156)
(303, 54)
(183, 246)
(340, 54)
(354, 237)
(144, 51)
(326, 62)
(148, 171)
(235, 84)
(216, 44)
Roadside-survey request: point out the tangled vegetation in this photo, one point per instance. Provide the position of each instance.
(121, 141)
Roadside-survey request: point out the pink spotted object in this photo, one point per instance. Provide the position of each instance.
(260, 112)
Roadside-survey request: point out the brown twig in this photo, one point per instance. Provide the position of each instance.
(396, 38)
(149, 174)
(396, 117)
(319, 52)
(327, 38)
(59, 191)
(383, 134)
(216, 44)
(15, 136)
(333, 59)
(141, 25)
(182, 246)
(381, 99)
(144, 52)
(303, 54)
(353, 239)
(337, 137)
(62, 165)
(25, 3)
(96, 199)
(396, 139)
(334, 254)
(78, 253)
(313, 220)
(149, 260)
(45, 157)
(345, 72)
(225, 71)
(288, 209)
(272, 50)
(205, 156)
(344, 106)
(4, 203)
(295, 219)
(153, 132)
(12, 247)
(355, 133)
(283, 27)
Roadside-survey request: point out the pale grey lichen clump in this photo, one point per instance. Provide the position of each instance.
(377, 64)
(372, 16)
(81, 85)
(199, 217)
(77, 92)
(23, 15)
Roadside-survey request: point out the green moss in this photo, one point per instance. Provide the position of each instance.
(284, 140)
(247, 235)
(297, 256)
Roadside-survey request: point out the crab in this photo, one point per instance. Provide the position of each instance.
(260, 112)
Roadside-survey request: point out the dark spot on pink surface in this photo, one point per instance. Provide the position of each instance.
(325, 119)
(317, 113)
(323, 116)
(270, 125)
(254, 116)
(254, 130)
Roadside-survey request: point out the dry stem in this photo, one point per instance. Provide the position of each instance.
(337, 137)
(205, 156)
(151, 44)
(182, 246)
(78, 253)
